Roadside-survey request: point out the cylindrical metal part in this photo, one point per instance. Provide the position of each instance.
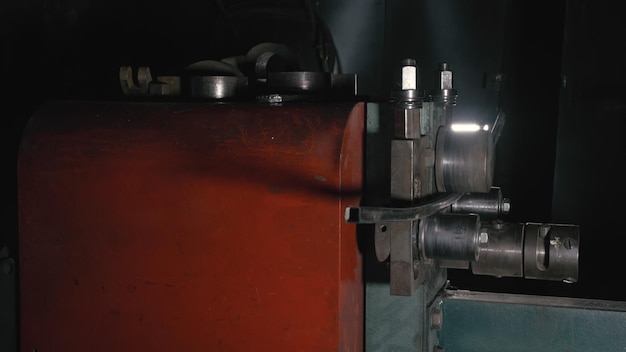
(489, 205)
(268, 62)
(450, 236)
(217, 87)
(551, 252)
(503, 254)
(445, 94)
(532, 251)
(407, 90)
(464, 161)
(454, 264)
(301, 81)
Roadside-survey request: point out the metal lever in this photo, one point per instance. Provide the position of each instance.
(372, 215)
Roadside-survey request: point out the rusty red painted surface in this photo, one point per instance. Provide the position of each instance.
(190, 227)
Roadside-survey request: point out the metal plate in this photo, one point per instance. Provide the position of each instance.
(484, 322)
(190, 227)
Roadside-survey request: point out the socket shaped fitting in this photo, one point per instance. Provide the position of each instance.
(445, 77)
(408, 75)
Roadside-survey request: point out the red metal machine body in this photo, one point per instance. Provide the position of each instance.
(190, 227)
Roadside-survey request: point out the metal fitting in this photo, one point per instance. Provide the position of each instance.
(464, 161)
(450, 236)
(436, 319)
(483, 239)
(445, 93)
(506, 205)
(407, 89)
(445, 77)
(409, 75)
(489, 205)
(529, 250)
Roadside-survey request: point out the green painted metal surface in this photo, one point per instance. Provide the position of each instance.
(393, 323)
(401, 323)
(515, 323)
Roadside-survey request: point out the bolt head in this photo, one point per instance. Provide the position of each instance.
(445, 79)
(436, 319)
(409, 77)
(506, 205)
(483, 238)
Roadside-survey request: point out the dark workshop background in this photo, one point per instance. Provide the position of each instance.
(556, 67)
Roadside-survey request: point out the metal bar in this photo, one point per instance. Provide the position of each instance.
(372, 215)
(548, 301)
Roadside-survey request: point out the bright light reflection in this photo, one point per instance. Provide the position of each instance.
(486, 128)
(464, 127)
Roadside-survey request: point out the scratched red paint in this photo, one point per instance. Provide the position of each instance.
(190, 227)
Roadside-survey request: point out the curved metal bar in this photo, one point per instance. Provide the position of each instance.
(372, 215)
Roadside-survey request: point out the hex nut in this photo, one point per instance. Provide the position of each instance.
(445, 80)
(409, 77)
(506, 205)
(483, 239)
(436, 319)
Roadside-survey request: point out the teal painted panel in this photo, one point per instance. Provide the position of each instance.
(401, 323)
(393, 323)
(513, 323)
